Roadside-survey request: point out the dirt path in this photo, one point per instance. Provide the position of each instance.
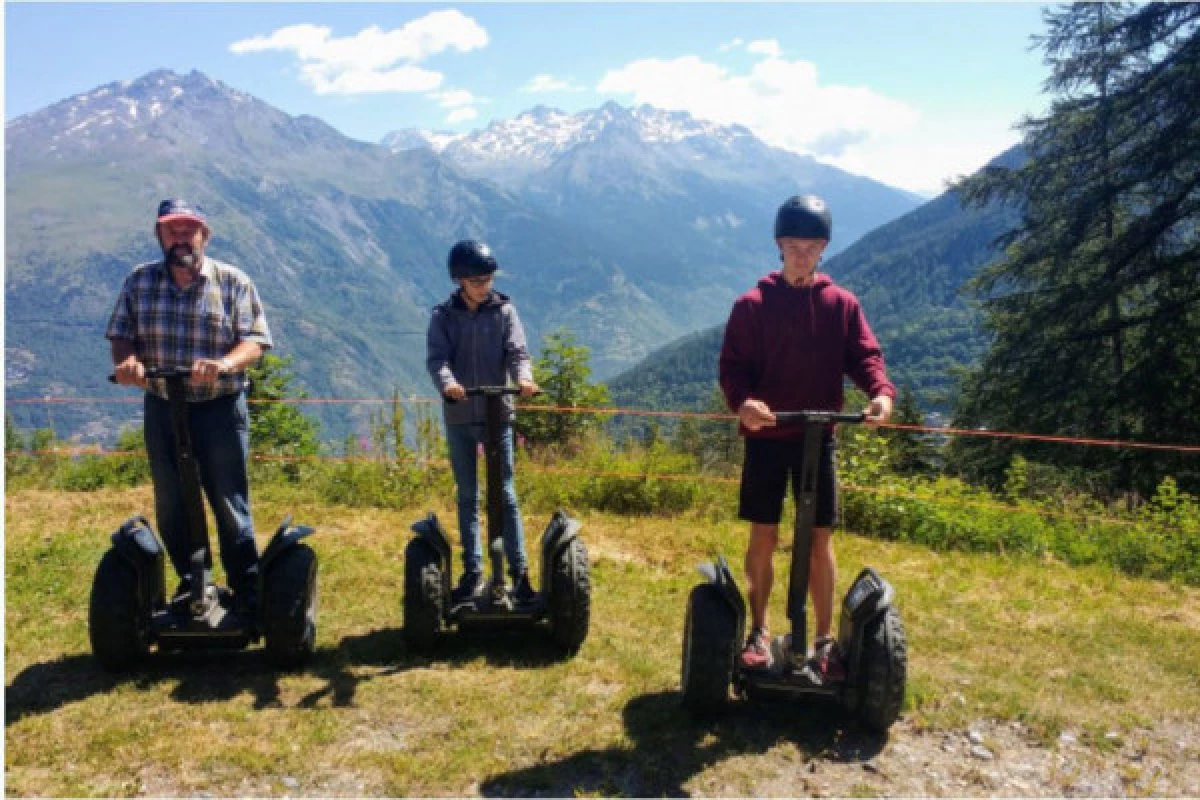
(1003, 760)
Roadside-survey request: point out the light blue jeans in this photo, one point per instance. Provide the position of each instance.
(464, 441)
(220, 432)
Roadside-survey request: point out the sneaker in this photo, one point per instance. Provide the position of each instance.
(470, 586)
(827, 656)
(523, 592)
(757, 653)
(499, 596)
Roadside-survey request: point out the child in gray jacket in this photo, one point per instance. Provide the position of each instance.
(476, 339)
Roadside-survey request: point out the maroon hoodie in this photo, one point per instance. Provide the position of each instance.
(789, 347)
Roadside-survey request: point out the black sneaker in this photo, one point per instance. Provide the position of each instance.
(523, 591)
(470, 586)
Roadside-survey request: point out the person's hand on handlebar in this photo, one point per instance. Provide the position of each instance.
(455, 392)
(528, 388)
(879, 410)
(131, 372)
(755, 415)
(207, 370)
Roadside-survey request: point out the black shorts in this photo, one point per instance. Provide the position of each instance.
(765, 477)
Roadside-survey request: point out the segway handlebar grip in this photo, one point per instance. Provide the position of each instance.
(825, 417)
(160, 372)
(485, 391)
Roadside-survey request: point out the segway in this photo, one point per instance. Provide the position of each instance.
(563, 601)
(128, 612)
(870, 633)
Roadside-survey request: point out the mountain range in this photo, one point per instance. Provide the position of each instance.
(631, 227)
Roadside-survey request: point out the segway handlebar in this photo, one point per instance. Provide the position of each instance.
(161, 372)
(491, 391)
(825, 417)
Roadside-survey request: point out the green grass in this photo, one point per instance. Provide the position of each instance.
(1005, 637)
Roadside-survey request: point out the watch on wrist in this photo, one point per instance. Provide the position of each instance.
(226, 364)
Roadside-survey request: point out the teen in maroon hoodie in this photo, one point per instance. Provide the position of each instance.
(788, 343)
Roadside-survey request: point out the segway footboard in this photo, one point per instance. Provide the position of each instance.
(872, 638)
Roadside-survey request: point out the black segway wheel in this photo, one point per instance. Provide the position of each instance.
(885, 670)
(289, 607)
(117, 624)
(570, 597)
(423, 590)
(709, 649)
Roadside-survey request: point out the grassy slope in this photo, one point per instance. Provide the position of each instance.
(989, 637)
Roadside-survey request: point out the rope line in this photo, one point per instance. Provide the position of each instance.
(645, 412)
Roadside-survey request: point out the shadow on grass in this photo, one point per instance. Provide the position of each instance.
(670, 746)
(515, 648)
(216, 676)
(200, 677)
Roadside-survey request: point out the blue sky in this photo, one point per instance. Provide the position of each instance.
(908, 93)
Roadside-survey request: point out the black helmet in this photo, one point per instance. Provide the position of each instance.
(470, 258)
(804, 217)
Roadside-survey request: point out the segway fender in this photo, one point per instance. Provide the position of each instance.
(430, 529)
(136, 543)
(718, 574)
(869, 597)
(286, 536)
(560, 531)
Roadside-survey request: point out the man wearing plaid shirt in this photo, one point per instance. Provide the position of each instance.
(191, 310)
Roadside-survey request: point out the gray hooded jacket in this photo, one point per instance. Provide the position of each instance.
(485, 347)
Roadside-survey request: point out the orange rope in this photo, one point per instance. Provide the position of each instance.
(640, 412)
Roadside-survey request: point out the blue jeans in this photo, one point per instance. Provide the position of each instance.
(220, 433)
(463, 441)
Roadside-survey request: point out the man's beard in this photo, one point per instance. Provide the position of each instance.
(182, 255)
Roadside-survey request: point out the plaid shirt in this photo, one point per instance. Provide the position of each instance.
(172, 327)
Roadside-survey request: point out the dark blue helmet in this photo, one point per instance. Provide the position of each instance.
(804, 217)
(469, 259)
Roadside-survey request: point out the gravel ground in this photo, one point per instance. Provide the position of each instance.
(992, 759)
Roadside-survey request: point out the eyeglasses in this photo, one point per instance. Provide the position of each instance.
(479, 281)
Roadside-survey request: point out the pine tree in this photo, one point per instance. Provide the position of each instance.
(564, 375)
(912, 452)
(1094, 304)
(278, 427)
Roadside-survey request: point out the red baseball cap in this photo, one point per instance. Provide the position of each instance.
(175, 208)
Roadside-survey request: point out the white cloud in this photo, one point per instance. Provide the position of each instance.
(852, 127)
(543, 82)
(764, 47)
(932, 152)
(725, 47)
(461, 115)
(454, 98)
(373, 60)
(361, 81)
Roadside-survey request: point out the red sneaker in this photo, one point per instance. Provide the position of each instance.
(828, 658)
(757, 653)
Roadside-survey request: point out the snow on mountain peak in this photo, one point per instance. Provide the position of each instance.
(541, 134)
